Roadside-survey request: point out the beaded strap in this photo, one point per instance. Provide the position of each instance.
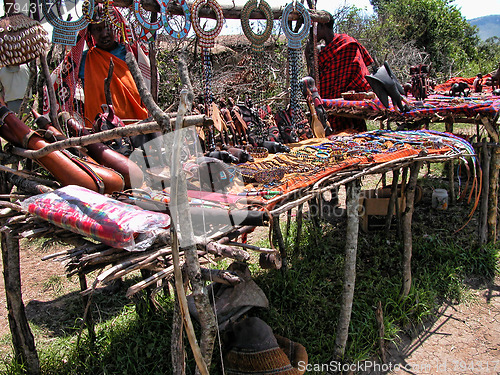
(4, 112)
(257, 40)
(207, 38)
(181, 34)
(65, 32)
(148, 29)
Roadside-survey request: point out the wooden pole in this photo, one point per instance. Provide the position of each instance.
(278, 236)
(451, 181)
(22, 338)
(299, 228)
(352, 202)
(407, 234)
(230, 11)
(51, 92)
(493, 195)
(392, 200)
(483, 208)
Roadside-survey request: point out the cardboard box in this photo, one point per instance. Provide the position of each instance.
(375, 202)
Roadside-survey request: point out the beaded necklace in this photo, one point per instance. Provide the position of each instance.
(206, 39)
(65, 32)
(256, 39)
(148, 29)
(294, 56)
(182, 33)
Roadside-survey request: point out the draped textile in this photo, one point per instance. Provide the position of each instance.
(124, 94)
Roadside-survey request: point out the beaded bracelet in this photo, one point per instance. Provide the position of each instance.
(257, 40)
(258, 152)
(4, 112)
(65, 32)
(207, 38)
(181, 34)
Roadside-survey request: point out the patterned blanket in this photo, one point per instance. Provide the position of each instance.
(93, 215)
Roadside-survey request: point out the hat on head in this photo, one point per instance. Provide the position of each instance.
(252, 348)
(22, 39)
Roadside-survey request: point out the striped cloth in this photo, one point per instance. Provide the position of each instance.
(93, 215)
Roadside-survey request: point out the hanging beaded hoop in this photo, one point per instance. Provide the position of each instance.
(87, 14)
(187, 19)
(207, 38)
(148, 29)
(295, 38)
(65, 32)
(257, 40)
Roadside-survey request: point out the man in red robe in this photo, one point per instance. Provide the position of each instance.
(342, 66)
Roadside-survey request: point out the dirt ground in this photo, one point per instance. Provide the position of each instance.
(463, 339)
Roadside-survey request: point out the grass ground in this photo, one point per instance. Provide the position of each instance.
(134, 338)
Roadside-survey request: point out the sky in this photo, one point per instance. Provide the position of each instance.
(469, 8)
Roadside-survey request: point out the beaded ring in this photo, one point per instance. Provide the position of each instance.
(207, 38)
(295, 38)
(89, 17)
(257, 40)
(148, 29)
(181, 34)
(65, 32)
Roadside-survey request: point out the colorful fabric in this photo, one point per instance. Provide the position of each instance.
(93, 215)
(342, 67)
(65, 77)
(434, 105)
(124, 94)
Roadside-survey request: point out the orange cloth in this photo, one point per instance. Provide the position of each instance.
(126, 98)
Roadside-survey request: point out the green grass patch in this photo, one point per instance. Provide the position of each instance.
(134, 338)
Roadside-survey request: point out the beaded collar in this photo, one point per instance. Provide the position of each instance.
(65, 32)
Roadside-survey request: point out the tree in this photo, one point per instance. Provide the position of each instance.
(434, 26)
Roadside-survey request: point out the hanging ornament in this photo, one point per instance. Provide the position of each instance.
(182, 33)
(65, 32)
(148, 29)
(22, 39)
(257, 40)
(207, 37)
(294, 57)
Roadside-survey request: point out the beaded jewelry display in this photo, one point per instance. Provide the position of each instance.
(183, 32)
(22, 39)
(207, 37)
(257, 40)
(294, 56)
(148, 29)
(65, 32)
(206, 40)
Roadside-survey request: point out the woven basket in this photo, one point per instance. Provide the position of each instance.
(22, 39)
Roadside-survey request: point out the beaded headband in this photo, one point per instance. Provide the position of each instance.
(257, 40)
(207, 38)
(295, 38)
(181, 34)
(22, 39)
(65, 32)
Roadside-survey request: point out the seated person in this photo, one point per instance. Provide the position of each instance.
(477, 85)
(94, 68)
(342, 67)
